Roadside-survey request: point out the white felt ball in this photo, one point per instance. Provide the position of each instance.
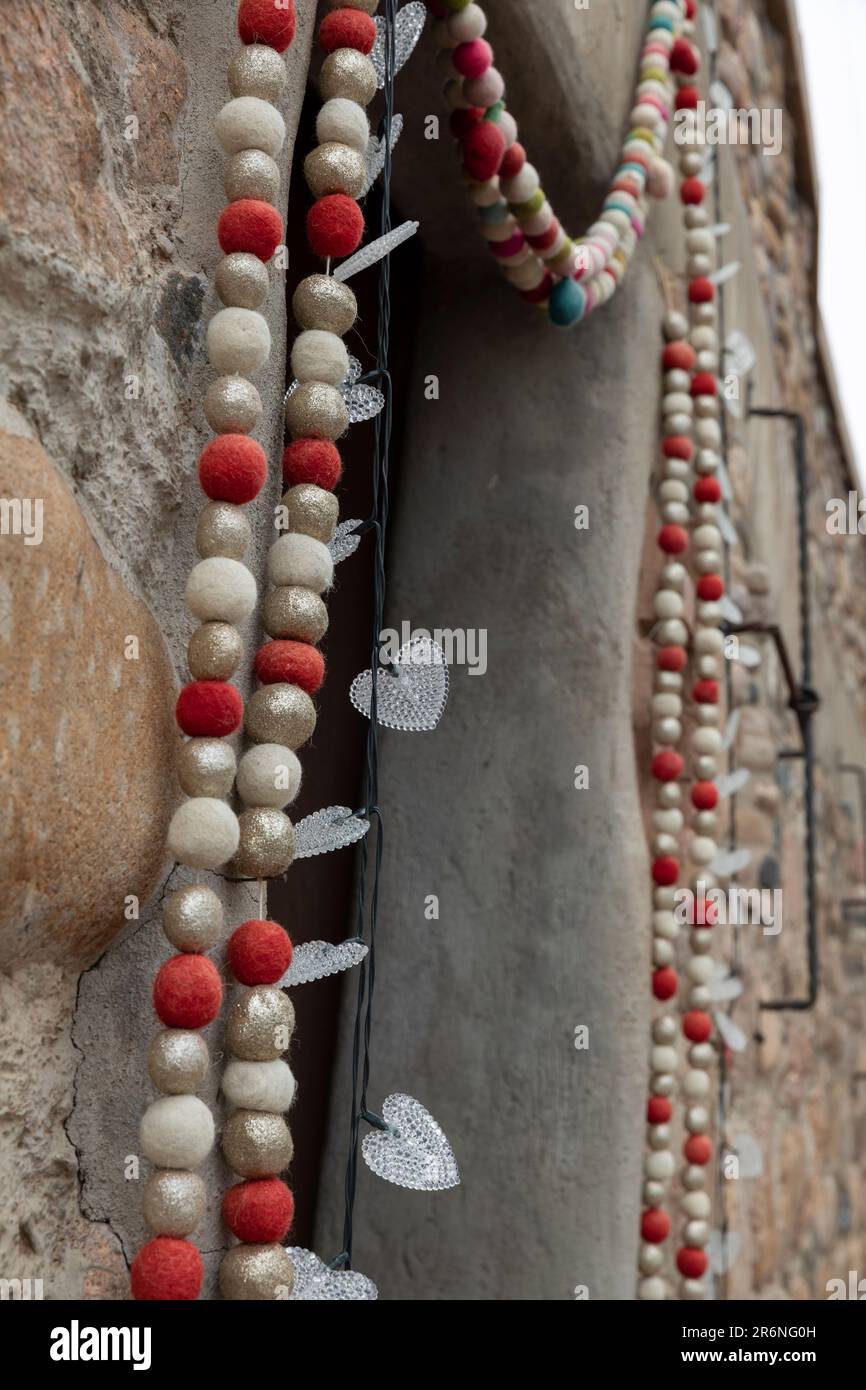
(469, 24)
(653, 1290)
(664, 1029)
(203, 834)
(663, 1059)
(522, 186)
(259, 1085)
(269, 775)
(660, 1165)
(697, 1205)
(299, 559)
(177, 1132)
(220, 590)
(344, 122)
(320, 356)
(238, 341)
(248, 123)
(651, 1257)
(676, 325)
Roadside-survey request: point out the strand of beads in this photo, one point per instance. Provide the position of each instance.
(706, 738)
(569, 278)
(668, 765)
(281, 715)
(177, 1131)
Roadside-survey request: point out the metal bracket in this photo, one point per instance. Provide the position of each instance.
(802, 699)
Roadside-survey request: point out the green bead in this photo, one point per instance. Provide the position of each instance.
(531, 206)
(494, 112)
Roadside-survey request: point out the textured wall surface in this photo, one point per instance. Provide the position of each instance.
(106, 243)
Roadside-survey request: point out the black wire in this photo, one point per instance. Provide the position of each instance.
(369, 879)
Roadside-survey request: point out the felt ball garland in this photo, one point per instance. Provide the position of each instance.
(567, 277)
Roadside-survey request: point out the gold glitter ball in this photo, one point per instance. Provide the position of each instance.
(256, 1272)
(206, 767)
(177, 1061)
(267, 844)
(322, 302)
(215, 652)
(257, 1143)
(257, 71)
(242, 280)
(316, 411)
(222, 529)
(232, 405)
(252, 174)
(348, 73)
(312, 511)
(280, 713)
(260, 1024)
(192, 918)
(334, 168)
(290, 611)
(174, 1202)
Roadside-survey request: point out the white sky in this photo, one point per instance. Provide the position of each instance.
(834, 44)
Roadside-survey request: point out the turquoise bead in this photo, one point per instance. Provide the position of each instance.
(567, 304)
(497, 213)
(662, 22)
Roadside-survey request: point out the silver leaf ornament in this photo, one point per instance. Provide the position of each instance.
(317, 1282)
(344, 541)
(314, 960)
(333, 827)
(374, 155)
(407, 31)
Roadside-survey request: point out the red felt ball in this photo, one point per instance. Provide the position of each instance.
(167, 1269)
(463, 119)
(697, 1026)
(655, 1226)
(702, 290)
(513, 160)
(691, 8)
(698, 1149)
(541, 293)
(677, 446)
(706, 692)
(665, 870)
(693, 192)
(209, 709)
(261, 21)
(687, 98)
(710, 586)
(187, 992)
(692, 1262)
(667, 766)
(248, 224)
(483, 151)
(658, 1110)
(665, 983)
(705, 795)
(678, 357)
(347, 29)
(473, 58)
(673, 540)
(701, 912)
(335, 224)
(259, 953)
(708, 490)
(671, 658)
(704, 384)
(292, 663)
(232, 468)
(684, 58)
(259, 1211)
(544, 240)
(312, 461)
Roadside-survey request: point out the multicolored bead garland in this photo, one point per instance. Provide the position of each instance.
(570, 278)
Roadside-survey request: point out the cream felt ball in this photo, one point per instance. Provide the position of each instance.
(320, 356)
(177, 1132)
(300, 559)
(248, 123)
(259, 1085)
(221, 590)
(269, 775)
(344, 122)
(203, 833)
(238, 341)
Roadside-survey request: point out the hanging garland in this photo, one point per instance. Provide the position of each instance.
(569, 277)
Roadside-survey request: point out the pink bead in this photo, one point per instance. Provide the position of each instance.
(485, 90)
(504, 250)
(639, 226)
(472, 59)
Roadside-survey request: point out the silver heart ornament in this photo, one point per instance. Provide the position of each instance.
(412, 696)
(413, 1150)
(317, 1282)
